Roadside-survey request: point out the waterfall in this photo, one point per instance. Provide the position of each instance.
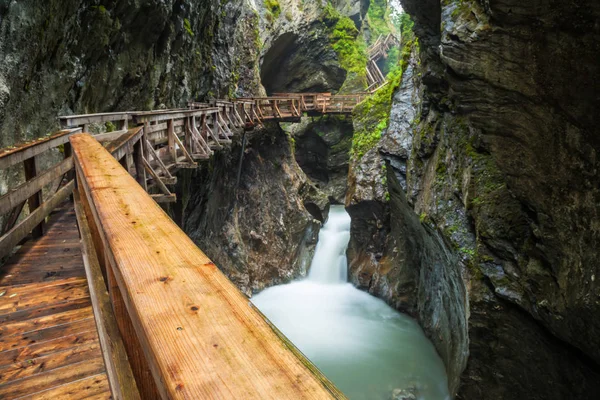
(366, 348)
(329, 264)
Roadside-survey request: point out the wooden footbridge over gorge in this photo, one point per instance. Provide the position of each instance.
(104, 296)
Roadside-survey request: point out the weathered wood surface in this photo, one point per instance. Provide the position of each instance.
(199, 334)
(114, 354)
(49, 347)
(12, 156)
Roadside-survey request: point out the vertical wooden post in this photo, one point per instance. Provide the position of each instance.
(36, 200)
(171, 134)
(138, 159)
(68, 152)
(139, 365)
(124, 124)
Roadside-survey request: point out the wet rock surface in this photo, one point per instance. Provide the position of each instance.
(492, 178)
(262, 233)
(322, 147)
(62, 57)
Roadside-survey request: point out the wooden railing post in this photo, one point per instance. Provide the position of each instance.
(138, 160)
(36, 200)
(171, 137)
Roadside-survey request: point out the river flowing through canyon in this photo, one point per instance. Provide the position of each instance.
(369, 350)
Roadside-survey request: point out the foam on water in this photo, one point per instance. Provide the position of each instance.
(365, 347)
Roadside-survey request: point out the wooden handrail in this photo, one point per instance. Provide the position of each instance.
(17, 154)
(179, 316)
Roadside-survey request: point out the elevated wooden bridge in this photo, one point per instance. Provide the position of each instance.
(103, 296)
(378, 50)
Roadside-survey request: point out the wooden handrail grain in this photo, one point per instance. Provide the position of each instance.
(199, 334)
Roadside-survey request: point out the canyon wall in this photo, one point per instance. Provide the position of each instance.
(484, 196)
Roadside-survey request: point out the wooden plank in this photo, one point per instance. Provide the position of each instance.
(10, 157)
(54, 332)
(73, 355)
(18, 298)
(86, 119)
(44, 322)
(199, 334)
(50, 379)
(47, 347)
(117, 365)
(9, 240)
(164, 198)
(110, 136)
(44, 310)
(16, 196)
(90, 388)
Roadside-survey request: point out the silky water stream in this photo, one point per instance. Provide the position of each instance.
(369, 350)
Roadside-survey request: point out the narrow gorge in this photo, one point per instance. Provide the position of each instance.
(457, 206)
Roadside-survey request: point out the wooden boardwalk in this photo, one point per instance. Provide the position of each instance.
(109, 298)
(49, 346)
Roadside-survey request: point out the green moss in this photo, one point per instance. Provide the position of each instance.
(371, 117)
(378, 18)
(110, 127)
(346, 41)
(273, 7)
(288, 16)
(188, 27)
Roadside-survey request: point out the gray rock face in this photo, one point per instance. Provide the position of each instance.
(262, 233)
(494, 145)
(296, 54)
(322, 149)
(76, 57)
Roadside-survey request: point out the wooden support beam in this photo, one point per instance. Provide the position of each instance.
(171, 143)
(35, 200)
(151, 152)
(163, 188)
(138, 160)
(164, 198)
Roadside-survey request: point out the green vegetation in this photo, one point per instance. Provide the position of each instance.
(273, 8)
(372, 115)
(188, 27)
(378, 18)
(346, 41)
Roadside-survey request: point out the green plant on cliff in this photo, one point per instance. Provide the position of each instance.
(346, 40)
(372, 115)
(378, 18)
(273, 7)
(188, 27)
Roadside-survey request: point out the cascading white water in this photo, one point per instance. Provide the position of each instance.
(365, 347)
(329, 264)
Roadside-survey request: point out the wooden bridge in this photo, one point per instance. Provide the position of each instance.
(103, 296)
(378, 50)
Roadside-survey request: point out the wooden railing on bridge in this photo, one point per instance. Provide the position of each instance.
(170, 323)
(187, 330)
(180, 138)
(57, 180)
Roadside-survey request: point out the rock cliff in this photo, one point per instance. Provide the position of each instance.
(485, 187)
(257, 229)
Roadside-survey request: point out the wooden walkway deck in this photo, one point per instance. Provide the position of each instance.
(49, 346)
